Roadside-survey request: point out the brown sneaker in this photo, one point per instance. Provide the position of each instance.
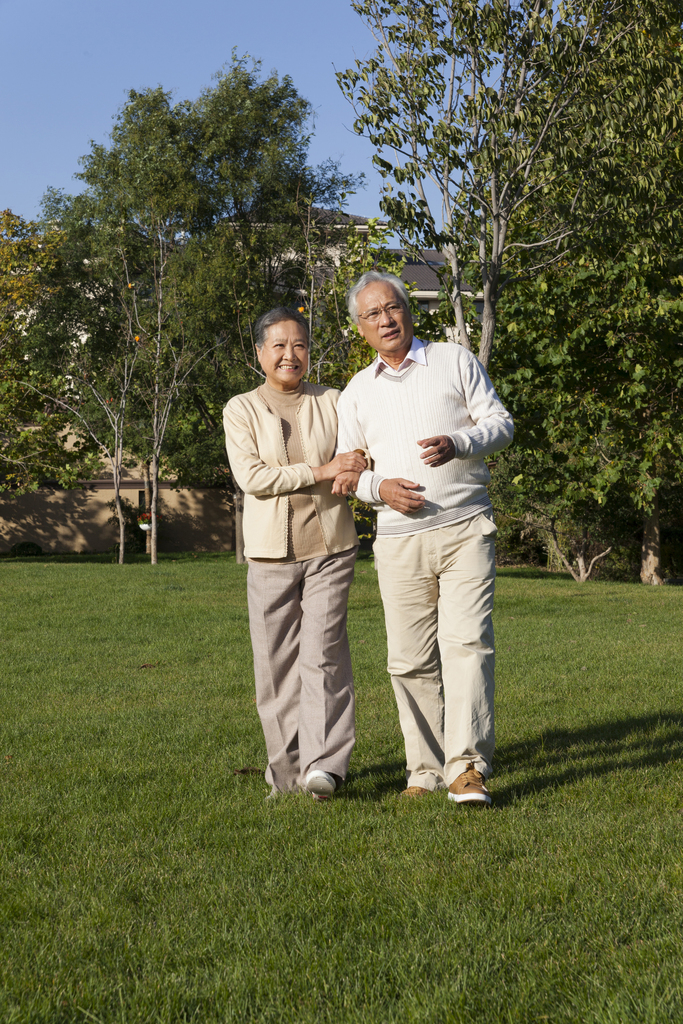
(469, 788)
(413, 791)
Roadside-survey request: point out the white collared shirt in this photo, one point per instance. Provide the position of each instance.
(415, 355)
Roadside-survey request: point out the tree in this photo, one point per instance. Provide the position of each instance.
(511, 128)
(229, 277)
(34, 441)
(593, 373)
(181, 188)
(82, 341)
(336, 255)
(188, 230)
(578, 531)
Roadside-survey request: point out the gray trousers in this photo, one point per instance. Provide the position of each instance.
(302, 665)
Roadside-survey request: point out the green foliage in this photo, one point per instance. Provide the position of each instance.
(336, 258)
(593, 372)
(539, 523)
(26, 257)
(193, 212)
(33, 432)
(188, 230)
(507, 129)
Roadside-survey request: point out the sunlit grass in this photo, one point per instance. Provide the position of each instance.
(142, 880)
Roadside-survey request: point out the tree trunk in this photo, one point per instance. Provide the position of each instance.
(122, 523)
(461, 325)
(581, 573)
(488, 330)
(580, 556)
(650, 551)
(148, 507)
(155, 498)
(116, 463)
(238, 498)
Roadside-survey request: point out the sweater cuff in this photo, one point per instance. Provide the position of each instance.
(375, 484)
(368, 487)
(309, 473)
(462, 444)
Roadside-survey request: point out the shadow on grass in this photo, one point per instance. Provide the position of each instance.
(561, 757)
(530, 572)
(107, 558)
(388, 777)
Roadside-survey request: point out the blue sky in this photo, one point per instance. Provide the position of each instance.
(67, 65)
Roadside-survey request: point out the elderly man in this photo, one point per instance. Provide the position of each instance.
(429, 417)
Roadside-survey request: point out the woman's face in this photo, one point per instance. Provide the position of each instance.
(284, 355)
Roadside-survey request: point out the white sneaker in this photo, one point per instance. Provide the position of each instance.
(320, 784)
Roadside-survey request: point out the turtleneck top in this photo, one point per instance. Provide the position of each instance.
(304, 536)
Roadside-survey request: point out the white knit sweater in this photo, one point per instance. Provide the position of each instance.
(388, 414)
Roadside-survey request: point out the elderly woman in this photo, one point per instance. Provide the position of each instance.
(300, 542)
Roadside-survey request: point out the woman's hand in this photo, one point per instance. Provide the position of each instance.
(345, 484)
(346, 462)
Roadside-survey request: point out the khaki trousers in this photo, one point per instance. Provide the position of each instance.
(437, 589)
(302, 665)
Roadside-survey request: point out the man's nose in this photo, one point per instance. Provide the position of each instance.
(385, 316)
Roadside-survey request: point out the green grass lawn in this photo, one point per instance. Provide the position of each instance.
(142, 880)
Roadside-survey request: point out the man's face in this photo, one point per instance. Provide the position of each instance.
(392, 333)
(284, 355)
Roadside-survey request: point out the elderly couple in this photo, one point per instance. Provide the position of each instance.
(412, 431)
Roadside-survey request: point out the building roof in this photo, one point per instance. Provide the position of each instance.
(342, 219)
(422, 274)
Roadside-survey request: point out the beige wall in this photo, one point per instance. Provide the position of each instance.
(196, 519)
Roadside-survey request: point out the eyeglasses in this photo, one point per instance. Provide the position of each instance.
(393, 310)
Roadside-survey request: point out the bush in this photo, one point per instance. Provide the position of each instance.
(25, 548)
(518, 543)
(528, 504)
(525, 508)
(135, 537)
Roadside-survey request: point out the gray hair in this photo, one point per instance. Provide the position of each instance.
(277, 316)
(375, 277)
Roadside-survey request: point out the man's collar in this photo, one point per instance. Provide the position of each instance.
(416, 354)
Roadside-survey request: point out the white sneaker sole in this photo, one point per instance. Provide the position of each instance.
(474, 798)
(320, 785)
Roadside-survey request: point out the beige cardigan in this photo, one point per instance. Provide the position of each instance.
(258, 460)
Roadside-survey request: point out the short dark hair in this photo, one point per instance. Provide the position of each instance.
(277, 316)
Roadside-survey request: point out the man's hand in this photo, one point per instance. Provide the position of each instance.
(345, 462)
(345, 483)
(440, 450)
(399, 494)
